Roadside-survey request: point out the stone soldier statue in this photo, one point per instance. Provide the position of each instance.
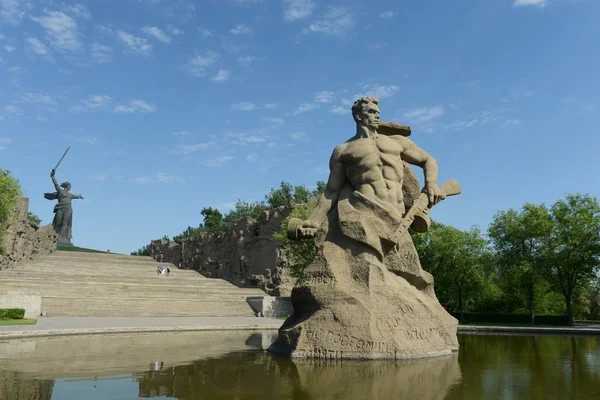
(365, 294)
(63, 212)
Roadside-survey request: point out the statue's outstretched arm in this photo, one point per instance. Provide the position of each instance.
(56, 185)
(77, 196)
(335, 184)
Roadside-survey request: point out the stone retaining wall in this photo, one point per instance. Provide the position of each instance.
(246, 256)
(24, 240)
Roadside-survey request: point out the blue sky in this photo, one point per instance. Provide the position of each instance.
(173, 105)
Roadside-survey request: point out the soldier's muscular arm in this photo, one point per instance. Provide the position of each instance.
(335, 184)
(413, 154)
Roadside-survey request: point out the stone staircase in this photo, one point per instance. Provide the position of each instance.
(110, 285)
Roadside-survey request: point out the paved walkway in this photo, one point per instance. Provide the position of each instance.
(59, 326)
(53, 326)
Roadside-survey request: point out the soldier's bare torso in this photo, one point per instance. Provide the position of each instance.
(374, 168)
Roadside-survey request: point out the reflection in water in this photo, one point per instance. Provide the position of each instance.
(233, 365)
(261, 376)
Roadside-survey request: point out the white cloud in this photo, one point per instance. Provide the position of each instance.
(77, 10)
(297, 9)
(12, 109)
(276, 122)
(135, 45)
(534, 3)
(247, 2)
(100, 53)
(460, 125)
(271, 106)
(584, 110)
(159, 177)
(61, 30)
(244, 106)
(423, 115)
(182, 134)
(42, 99)
(297, 135)
(246, 60)
(135, 106)
(324, 97)
(245, 138)
(252, 156)
(4, 141)
(192, 148)
(35, 46)
(340, 110)
(217, 162)
(10, 49)
(221, 76)
(198, 63)
(174, 31)
(379, 91)
(103, 29)
(242, 29)
(98, 177)
(93, 103)
(305, 107)
(387, 14)
(204, 32)
(157, 33)
(12, 11)
(336, 21)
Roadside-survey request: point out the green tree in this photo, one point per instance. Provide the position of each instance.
(34, 218)
(189, 232)
(287, 195)
(143, 251)
(520, 240)
(213, 219)
(457, 260)
(574, 249)
(10, 190)
(245, 209)
(299, 253)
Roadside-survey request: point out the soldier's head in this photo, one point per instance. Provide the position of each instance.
(66, 186)
(365, 112)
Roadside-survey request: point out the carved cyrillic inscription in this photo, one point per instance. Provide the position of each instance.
(317, 278)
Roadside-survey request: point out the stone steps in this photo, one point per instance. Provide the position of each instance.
(103, 285)
(143, 307)
(116, 289)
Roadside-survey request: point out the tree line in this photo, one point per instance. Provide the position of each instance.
(536, 260)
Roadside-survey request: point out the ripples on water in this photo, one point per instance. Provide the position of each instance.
(233, 365)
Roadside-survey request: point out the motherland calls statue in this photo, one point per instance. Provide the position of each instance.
(63, 212)
(365, 294)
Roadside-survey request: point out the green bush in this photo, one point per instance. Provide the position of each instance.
(12, 313)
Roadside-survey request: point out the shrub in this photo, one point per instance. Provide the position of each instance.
(12, 313)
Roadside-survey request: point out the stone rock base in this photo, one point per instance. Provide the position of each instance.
(402, 324)
(356, 302)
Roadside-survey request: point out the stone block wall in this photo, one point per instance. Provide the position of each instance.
(246, 256)
(23, 240)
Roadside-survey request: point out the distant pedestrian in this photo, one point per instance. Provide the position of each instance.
(108, 251)
(168, 271)
(157, 271)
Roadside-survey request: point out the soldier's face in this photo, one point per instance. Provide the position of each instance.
(369, 116)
